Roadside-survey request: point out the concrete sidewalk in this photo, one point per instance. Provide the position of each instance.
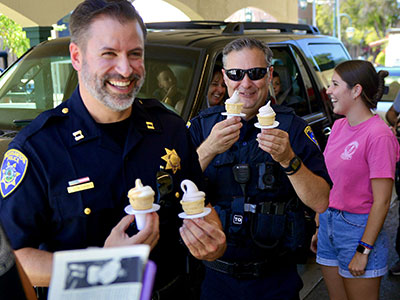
(315, 288)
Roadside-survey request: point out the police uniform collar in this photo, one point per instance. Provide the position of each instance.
(82, 126)
(144, 116)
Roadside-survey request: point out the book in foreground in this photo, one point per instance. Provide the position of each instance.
(99, 273)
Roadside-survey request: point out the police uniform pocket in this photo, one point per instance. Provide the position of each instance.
(223, 159)
(268, 228)
(295, 230)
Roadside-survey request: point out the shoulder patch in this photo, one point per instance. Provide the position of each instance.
(310, 134)
(12, 171)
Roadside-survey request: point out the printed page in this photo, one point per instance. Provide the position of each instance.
(99, 273)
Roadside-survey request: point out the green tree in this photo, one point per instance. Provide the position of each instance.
(371, 19)
(13, 37)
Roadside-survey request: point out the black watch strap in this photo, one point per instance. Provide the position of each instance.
(294, 166)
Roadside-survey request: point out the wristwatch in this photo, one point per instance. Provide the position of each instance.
(294, 166)
(363, 250)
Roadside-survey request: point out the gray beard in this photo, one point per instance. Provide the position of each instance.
(97, 88)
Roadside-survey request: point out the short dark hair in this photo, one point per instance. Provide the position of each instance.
(87, 11)
(249, 43)
(362, 72)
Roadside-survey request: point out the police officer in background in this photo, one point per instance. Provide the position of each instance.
(261, 179)
(65, 178)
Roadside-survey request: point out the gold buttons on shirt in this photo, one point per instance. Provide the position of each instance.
(177, 195)
(65, 110)
(87, 211)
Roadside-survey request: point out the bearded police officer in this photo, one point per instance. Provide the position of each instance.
(65, 178)
(262, 181)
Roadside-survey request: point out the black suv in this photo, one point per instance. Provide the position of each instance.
(304, 59)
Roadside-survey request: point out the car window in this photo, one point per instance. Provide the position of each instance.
(325, 58)
(173, 69)
(292, 87)
(39, 81)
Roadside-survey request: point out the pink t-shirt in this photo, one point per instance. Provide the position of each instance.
(356, 154)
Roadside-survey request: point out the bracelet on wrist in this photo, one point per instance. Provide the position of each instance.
(366, 245)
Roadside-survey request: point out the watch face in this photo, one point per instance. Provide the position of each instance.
(296, 163)
(362, 249)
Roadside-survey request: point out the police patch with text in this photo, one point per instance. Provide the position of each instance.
(12, 172)
(310, 134)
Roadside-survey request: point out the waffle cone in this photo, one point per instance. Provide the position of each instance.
(142, 203)
(233, 108)
(193, 207)
(266, 120)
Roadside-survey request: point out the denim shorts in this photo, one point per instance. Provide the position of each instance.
(338, 236)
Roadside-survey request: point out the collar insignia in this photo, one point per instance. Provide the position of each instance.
(150, 125)
(78, 135)
(172, 159)
(310, 134)
(12, 172)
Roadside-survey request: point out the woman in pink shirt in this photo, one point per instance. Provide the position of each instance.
(360, 155)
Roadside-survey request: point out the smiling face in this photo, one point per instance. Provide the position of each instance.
(111, 65)
(341, 95)
(253, 93)
(216, 90)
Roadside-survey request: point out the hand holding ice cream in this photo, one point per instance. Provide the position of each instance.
(193, 199)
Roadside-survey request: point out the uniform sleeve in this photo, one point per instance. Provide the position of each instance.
(305, 146)
(196, 131)
(25, 212)
(383, 153)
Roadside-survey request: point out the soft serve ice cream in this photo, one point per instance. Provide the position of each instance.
(141, 197)
(266, 115)
(233, 104)
(193, 199)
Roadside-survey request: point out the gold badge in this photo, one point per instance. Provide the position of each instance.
(172, 159)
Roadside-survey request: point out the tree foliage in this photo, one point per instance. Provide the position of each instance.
(13, 37)
(371, 19)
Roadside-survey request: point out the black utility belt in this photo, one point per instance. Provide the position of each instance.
(273, 208)
(243, 270)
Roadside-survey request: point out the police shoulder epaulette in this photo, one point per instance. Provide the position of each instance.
(282, 109)
(150, 104)
(41, 120)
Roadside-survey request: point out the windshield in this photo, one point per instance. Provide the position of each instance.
(327, 57)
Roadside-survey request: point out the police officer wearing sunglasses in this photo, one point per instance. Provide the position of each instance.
(65, 178)
(264, 182)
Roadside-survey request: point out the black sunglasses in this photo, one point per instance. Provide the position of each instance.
(253, 73)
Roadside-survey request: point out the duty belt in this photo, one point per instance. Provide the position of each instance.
(254, 269)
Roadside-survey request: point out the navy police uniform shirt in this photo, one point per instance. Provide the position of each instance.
(222, 185)
(64, 181)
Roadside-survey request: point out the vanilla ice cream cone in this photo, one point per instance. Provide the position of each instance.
(266, 115)
(193, 200)
(141, 197)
